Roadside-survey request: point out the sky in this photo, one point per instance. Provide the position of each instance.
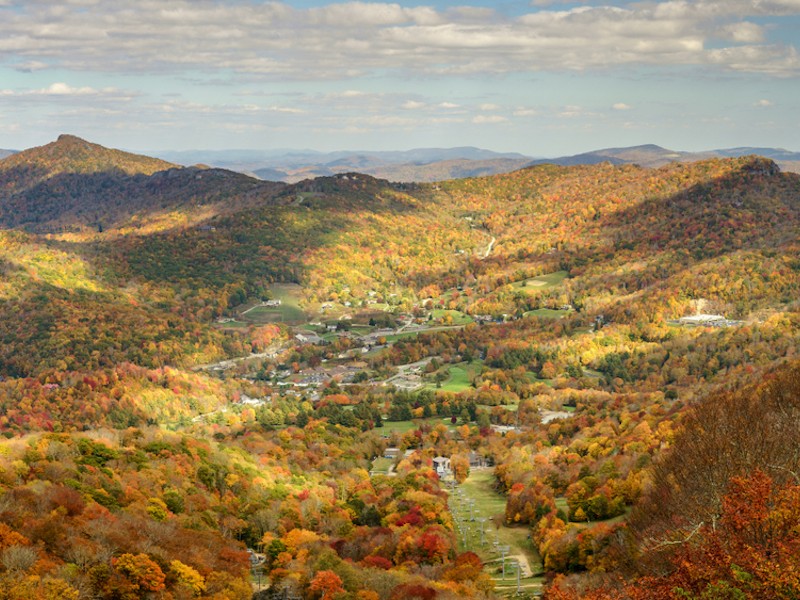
(539, 77)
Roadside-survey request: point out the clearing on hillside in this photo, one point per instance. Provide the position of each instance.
(479, 513)
(546, 313)
(288, 311)
(459, 377)
(541, 282)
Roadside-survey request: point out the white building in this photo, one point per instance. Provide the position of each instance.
(442, 465)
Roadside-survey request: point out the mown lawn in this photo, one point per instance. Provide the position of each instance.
(456, 317)
(381, 464)
(288, 312)
(404, 426)
(459, 380)
(233, 325)
(546, 313)
(460, 377)
(393, 337)
(541, 282)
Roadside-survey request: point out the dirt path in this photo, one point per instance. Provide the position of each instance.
(488, 249)
(525, 566)
(521, 559)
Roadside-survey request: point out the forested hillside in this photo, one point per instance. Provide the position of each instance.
(195, 363)
(74, 185)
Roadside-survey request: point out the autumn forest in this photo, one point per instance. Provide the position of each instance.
(568, 382)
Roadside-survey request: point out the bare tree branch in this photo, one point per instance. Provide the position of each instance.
(677, 542)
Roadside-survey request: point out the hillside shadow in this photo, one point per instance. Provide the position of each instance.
(267, 237)
(667, 245)
(255, 230)
(753, 209)
(71, 201)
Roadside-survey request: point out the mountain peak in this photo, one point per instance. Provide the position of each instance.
(67, 137)
(71, 154)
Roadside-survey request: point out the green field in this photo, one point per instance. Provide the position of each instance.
(459, 377)
(476, 499)
(393, 337)
(508, 407)
(233, 325)
(546, 313)
(381, 464)
(390, 427)
(458, 318)
(288, 312)
(541, 282)
(459, 380)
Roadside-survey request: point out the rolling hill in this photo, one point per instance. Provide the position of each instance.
(651, 155)
(71, 154)
(71, 184)
(439, 164)
(132, 464)
(421, 164)
(368, 234)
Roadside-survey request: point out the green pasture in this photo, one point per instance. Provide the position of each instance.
(458, 317)
(508, 407)
(459, 380)
(381, 464)
(233, 325)
(390, 427)
(401, 427)
(362, 329)
(393, 337)
(288, 312)
(460, 377)
(541, 282)
(546, 313)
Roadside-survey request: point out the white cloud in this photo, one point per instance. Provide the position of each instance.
(571, 112)
(345, 40)
(413, 105)
(621, 106)
(490, 119)
(287, 109)
(770, 60)
(743, 32)
(488, 106)
(63, 89)
(763, 103)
